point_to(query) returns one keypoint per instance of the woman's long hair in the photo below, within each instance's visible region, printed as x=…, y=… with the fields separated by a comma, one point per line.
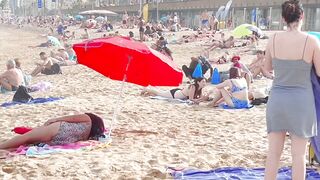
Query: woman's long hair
x=198, y=91
x=234, y=73
x=97, y=127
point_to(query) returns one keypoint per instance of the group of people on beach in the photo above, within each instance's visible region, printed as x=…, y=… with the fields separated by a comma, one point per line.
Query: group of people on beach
x=291, y=90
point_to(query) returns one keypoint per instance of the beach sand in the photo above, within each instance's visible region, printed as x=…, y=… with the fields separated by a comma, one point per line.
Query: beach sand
x=150, y=135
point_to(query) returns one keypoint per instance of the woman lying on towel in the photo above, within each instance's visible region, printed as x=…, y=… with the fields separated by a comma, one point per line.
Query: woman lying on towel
x=234, y=91
x=59, y=131
x=192, y=92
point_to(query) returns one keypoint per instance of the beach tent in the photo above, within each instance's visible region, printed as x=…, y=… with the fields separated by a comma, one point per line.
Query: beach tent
x=246, y=30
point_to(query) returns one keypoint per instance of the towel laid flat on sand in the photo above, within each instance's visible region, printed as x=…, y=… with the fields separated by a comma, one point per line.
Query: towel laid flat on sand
x=171, y=100
x=45, y=149
x=34, y=101
x=236, y=173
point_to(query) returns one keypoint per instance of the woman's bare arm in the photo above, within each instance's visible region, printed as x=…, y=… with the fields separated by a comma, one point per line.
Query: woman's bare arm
x=192, y=91
x=226, y=83
x=72, y=119
x=268, y=57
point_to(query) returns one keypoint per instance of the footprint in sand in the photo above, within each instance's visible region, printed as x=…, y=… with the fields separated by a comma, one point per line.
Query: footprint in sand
x=155, y=174
x=8, y=169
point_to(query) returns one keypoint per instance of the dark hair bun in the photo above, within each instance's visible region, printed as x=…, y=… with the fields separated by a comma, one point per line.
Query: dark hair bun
x=292, y=11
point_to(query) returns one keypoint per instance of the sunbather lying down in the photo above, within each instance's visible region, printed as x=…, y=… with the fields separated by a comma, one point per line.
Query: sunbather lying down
x=192, y=92
x=59, y=131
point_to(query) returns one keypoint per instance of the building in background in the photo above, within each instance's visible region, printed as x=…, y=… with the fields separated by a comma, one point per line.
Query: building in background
x=265, y=14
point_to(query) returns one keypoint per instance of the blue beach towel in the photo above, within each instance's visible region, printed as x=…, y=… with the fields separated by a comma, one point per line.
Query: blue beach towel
x=236, y=173
x=34, y=101
x=225, y=106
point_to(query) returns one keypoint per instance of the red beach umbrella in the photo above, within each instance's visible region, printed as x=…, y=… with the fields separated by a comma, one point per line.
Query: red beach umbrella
x=119, y=57
x=126, y=60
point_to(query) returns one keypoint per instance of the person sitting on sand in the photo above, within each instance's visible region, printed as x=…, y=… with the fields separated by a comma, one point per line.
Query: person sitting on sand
x=131, y=35
x=192, y=92
x=161, y=46
x=71, y=53
x=12, y=78
x=60, y=131
x=257, y=66
x=85, y=35
x=234, y=91
x=244, y=70
x=61, y=55
x=205, y=66
x=45, y=66
x=26, y=77
x=160, y=43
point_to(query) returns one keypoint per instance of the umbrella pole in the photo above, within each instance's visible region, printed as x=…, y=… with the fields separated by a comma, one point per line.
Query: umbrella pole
x=117, y=107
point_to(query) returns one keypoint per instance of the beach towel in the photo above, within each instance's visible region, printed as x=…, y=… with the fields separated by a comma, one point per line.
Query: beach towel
x=45, y=149
x=315, y=141
x=41, y=86
x=34, y=101
x=225, y=106
x=236, y=173
x=172, y=100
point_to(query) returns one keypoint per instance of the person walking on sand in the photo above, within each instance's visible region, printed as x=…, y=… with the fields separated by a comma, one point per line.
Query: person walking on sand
x=292, y=91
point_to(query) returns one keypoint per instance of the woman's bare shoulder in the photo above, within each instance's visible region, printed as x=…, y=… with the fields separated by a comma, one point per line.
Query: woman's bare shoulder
x=314, y=40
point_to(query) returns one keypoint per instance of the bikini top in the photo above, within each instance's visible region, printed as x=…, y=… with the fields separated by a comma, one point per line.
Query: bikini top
x=235, y=88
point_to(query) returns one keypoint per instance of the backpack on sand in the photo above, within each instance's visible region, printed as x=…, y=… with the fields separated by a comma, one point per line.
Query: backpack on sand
x=22, y=95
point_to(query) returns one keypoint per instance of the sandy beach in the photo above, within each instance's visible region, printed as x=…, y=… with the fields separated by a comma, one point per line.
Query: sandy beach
x=150, y=135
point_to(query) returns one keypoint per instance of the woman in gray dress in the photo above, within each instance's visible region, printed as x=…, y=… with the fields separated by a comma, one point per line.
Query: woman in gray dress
x=291, y=107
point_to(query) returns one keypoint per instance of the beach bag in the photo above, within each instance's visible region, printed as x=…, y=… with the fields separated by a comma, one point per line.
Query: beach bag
x=215, y=77
x=197, y=73
x=22, y=95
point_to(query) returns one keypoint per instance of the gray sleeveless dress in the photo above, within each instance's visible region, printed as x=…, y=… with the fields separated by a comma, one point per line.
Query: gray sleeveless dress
x=291, y=105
